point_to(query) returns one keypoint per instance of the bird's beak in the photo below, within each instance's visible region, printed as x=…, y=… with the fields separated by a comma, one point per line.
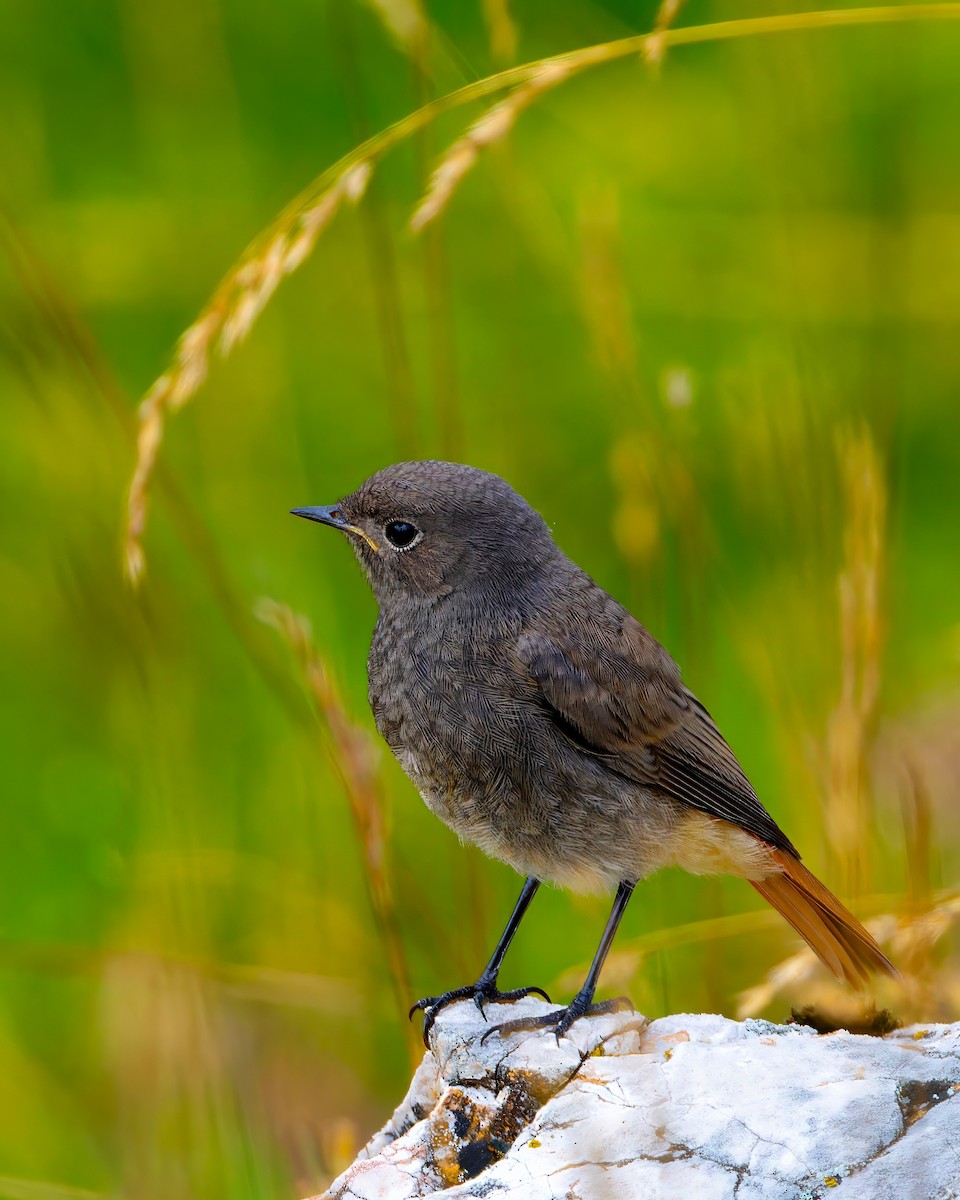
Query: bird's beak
x=329, y=514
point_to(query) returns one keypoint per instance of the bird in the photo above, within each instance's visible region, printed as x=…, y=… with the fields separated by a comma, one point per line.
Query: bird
x=540, y=721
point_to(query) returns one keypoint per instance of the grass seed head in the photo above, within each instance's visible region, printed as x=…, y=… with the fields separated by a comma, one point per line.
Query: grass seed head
x=490, y=127
x=238, y=302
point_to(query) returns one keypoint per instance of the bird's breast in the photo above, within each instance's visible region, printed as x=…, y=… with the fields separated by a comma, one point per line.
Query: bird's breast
x=470, y=728
x=454, y=709
x=441, y=692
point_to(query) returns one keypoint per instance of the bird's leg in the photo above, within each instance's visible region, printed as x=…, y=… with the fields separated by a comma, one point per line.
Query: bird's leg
x=485, y=990
x=561, y=1019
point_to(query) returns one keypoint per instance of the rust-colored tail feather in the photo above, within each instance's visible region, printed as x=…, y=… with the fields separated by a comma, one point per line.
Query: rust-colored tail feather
x=832, y=933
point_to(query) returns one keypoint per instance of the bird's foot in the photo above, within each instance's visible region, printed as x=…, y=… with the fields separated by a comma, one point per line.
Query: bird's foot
x=560, y=1019
x=483, y=992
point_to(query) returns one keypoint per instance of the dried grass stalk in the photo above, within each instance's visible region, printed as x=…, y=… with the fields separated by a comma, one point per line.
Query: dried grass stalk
x=501, y=29
x=405, y=20
x=356, y=757
x=804, y=968
x=910, y=936
x=862, y=631
x=624, y=963
x=235, y=306
x=667, y=13
x=604, y=292
x=494, y=125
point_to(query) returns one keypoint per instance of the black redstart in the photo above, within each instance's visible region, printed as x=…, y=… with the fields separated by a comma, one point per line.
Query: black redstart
x=541, y=721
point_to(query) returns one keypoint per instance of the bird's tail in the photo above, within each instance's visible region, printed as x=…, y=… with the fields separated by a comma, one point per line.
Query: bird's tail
x=832, y=933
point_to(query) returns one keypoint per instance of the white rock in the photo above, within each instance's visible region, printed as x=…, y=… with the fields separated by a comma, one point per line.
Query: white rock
x=684, y=1108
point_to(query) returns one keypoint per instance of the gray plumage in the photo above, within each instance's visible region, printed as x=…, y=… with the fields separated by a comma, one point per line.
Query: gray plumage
x=535, y=715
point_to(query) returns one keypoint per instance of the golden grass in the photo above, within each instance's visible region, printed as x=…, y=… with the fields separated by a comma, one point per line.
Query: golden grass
x=236, y=304
x=287, y=242
x=501, y=30
x=14, y=1188
x=667, y=13
x=604, y=288
x=356, y=757
x=910, y=937
x=848, y=806
x=405, y=20
x=495, y=124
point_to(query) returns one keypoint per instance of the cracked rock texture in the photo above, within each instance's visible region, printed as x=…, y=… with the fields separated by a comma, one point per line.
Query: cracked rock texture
x=684, y=1107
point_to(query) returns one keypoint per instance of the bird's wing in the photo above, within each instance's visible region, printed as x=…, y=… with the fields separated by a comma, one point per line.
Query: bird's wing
x=617, y=693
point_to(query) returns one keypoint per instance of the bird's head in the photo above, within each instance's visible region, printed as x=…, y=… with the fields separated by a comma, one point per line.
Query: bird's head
x=427, y=529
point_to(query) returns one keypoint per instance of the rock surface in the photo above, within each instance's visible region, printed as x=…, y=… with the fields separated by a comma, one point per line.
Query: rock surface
x=682, y=1107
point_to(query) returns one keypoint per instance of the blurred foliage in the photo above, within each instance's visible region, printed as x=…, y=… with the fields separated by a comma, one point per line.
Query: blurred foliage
x=702, y=313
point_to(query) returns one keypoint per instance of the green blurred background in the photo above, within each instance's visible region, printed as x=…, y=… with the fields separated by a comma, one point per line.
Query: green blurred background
x=703, y=315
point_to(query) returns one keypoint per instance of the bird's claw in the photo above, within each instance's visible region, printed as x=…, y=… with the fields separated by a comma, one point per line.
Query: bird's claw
x=482, y=992
x=559, y=1020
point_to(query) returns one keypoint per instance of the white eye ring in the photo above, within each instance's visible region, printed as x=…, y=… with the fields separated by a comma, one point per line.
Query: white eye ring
x=402, y=535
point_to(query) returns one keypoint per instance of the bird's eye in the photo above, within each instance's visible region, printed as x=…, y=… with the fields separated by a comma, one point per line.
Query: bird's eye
x=401, y=534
